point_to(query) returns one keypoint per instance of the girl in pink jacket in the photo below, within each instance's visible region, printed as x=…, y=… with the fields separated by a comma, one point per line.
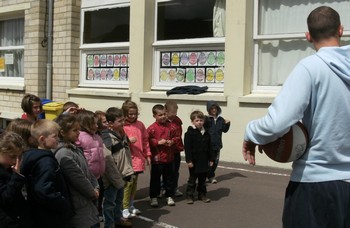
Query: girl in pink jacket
x=91, y=142
x=140, y=154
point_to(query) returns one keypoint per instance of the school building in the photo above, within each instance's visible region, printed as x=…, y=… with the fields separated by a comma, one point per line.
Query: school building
x=98, y=53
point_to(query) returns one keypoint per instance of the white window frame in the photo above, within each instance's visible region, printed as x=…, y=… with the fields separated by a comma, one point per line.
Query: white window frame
x=100, y=48
x=12, y=82
x=197, y=44
x=256, y=38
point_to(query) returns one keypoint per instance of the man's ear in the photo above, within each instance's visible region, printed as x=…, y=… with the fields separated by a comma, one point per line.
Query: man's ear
x=340, y=30
x=308, y=37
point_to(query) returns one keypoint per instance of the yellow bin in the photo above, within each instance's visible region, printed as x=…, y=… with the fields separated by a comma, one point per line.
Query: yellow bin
x=53, y=109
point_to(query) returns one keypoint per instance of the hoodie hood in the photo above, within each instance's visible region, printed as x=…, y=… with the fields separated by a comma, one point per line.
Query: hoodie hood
x=338, y=60
x=211, y=103
x=30, y=158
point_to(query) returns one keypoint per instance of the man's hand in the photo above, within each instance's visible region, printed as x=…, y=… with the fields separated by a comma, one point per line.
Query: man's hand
x=248, y=151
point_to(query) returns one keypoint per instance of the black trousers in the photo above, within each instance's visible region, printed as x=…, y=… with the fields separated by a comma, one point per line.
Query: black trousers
x=317, y=205
x=166, y=171
x=191, y=183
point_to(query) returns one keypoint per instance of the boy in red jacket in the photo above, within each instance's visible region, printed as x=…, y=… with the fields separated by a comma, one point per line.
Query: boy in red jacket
x=162, y=140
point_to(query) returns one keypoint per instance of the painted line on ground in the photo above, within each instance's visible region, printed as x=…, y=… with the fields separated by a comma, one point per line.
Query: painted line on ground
x=161, y=224
x=255, y=171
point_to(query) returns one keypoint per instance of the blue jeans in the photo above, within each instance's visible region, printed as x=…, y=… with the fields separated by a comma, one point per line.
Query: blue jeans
x=112, y=205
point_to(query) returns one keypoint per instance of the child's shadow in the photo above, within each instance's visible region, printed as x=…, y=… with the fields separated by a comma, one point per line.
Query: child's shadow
x=229, y=176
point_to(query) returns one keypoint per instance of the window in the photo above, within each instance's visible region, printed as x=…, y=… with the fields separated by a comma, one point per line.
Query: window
x=279, y=42
x=189, y=45
x=105, y=45
x=11, y=49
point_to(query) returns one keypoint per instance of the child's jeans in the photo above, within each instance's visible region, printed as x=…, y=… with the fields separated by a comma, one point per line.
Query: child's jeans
x=211, y=172
x=191, y=183
x=112, y=205
x=166, y=171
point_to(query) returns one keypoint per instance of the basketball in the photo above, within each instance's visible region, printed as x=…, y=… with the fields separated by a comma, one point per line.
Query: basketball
x=290, y=146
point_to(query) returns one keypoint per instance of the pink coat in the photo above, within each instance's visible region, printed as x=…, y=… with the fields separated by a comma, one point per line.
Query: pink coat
x=93, y=151
x=140, y=149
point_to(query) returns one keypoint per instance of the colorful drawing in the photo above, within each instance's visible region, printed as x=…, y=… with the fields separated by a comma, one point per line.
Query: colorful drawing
x=103, y=60
x=220, y=58
x=96, y=60
x=202, y=58
x=209, y=77
x=193, y=58
x=211, y=58
x=200, y=74
x=116, y=60
x=90, y=60
x=180, y=74
x=190, y=73
x=219, y=75
x=175, y=59
x=184, y=59
x=97, y=74
x=163, y=76
x=116, y=74
x=124, y=59
x=109, y=60
x=103, y=74
x=91, y=74
x=123, y=74
x=110, y=74
x=165, y=59
x=172, y=74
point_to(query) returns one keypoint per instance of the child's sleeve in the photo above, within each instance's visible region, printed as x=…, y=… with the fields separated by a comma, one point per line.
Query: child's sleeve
x=188, y=148
x=225, y=126
x=11, y=191
x=145, y=143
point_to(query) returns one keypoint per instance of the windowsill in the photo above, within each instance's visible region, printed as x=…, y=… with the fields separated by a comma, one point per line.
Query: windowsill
x=100, y=92
x=258, y=98
x=12, y=86
x=199, y=97
x=10, y=115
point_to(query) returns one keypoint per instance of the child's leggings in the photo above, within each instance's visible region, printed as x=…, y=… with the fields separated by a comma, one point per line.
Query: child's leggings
x=130, y=191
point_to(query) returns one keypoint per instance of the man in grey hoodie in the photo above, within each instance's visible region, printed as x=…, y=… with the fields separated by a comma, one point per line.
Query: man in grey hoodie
x=318, y=92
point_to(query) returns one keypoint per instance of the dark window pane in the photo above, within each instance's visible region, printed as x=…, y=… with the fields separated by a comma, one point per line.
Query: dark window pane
x=184, y=19
x=107, y=25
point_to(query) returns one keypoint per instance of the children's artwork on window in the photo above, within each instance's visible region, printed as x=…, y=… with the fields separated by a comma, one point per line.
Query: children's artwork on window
x=107, y=67
x=192, y=66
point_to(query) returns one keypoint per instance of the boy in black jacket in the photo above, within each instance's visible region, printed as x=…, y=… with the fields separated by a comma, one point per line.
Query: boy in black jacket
x=199, y=154
x=47, y=193
x=216, y=125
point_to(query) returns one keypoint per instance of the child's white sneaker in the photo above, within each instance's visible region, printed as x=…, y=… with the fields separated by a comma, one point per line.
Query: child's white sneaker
x=154, y=202
x=134, y=211
x=170, y=201
x=126, y=214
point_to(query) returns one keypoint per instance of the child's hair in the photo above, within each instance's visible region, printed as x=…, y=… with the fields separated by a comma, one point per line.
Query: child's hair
x=27, y=103
x=113, y=113
x=11, y=142
x=69, y=104
x=128, y=104
x=156, y=108
x=99, y=115
x=197, y=114
x=21, y=127
x=66, y=123
x=170, y=104
x=86, y=120
x=43, y=127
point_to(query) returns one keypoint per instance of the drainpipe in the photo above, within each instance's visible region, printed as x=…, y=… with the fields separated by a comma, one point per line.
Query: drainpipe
x=49, y=52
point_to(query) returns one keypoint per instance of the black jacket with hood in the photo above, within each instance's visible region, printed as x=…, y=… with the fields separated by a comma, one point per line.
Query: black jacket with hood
x=216, y=126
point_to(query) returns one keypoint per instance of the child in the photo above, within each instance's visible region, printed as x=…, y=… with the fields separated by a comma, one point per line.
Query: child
x=22, y=127
x=47, y=193
x=171, y=111
x=198, y=154
x=118, y=167
x=140, y=153
x=216, y=125
x=81, y=183
x=90, y=142
x=70, y=107
x=14, y=208
x=163, y=138
x=32, y=107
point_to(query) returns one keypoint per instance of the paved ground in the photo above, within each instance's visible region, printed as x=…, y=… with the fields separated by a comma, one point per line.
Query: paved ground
x=244, y=196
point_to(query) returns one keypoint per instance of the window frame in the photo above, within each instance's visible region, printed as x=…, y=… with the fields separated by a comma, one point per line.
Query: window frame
x=193, y=44
x=18, y=81
x=100, y=48
x=255, y=88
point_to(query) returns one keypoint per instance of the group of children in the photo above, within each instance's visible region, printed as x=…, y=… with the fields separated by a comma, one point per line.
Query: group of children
x=68, y=171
